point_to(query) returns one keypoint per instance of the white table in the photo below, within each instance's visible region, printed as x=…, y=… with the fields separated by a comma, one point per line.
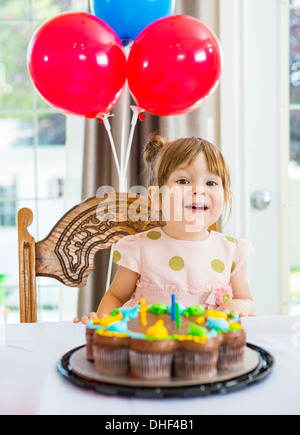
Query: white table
x=31, y=384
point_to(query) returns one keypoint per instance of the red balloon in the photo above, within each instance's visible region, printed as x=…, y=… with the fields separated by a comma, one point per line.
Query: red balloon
x=174, y=65
x=77, y=63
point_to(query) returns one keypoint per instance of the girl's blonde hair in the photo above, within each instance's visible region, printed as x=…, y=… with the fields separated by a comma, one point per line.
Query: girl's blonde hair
x=163, y=158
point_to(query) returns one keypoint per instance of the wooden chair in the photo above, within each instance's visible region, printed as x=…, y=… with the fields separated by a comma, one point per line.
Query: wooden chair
x=67, y=253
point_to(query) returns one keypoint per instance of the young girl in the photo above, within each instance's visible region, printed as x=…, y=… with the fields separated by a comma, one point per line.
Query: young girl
x=183, y=257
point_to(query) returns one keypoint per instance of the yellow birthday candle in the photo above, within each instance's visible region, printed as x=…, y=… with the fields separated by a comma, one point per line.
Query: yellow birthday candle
x=143, y=312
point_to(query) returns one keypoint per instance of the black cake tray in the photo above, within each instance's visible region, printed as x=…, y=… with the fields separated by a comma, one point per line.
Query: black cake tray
x=129, y=388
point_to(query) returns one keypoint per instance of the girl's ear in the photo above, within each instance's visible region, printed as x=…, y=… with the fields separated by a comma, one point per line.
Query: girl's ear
x=153, y=195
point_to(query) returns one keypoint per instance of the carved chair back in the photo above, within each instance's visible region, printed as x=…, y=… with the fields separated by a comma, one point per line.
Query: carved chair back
x=67, y=253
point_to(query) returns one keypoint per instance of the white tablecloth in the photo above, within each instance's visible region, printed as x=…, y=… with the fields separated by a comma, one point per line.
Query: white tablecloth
x=31, y=384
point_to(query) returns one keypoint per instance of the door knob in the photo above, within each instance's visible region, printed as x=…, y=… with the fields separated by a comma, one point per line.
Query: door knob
x=260, y=199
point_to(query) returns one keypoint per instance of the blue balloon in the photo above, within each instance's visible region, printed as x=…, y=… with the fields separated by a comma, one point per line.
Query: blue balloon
x=129, y=17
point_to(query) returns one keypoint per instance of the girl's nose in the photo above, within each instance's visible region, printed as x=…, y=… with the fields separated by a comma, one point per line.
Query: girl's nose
x=199, y=191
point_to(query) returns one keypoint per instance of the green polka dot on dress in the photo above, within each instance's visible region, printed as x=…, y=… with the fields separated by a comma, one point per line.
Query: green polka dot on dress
x=230, y=239
x=176, y=263
x=154, y=235
x=218, y=266
x=232, y=267
x=116, y=257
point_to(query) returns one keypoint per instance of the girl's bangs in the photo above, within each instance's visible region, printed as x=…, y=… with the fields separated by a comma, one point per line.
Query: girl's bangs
x=215, y=161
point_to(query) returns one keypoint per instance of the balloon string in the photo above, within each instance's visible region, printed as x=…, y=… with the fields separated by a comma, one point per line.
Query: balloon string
x=121, y=171
x=109, y=271
x=124, y=119
x=136, y=112
x=123, y=167
x=112, y=143
x=123, y=135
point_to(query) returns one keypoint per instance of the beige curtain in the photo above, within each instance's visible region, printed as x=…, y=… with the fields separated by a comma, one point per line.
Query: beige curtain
x=99, y=167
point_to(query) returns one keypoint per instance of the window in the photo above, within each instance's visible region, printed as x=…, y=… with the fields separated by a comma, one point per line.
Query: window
x=33, y=150
x=294, y=166
x=295, y=82
x=8, y=209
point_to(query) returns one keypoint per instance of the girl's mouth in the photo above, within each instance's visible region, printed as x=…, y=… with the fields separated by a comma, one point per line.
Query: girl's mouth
x=196, y=207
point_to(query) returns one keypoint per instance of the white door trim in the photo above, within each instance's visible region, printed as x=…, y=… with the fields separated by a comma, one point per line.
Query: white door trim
x=233, y=34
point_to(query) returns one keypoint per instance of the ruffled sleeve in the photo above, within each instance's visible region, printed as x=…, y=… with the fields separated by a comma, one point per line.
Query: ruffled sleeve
x=244, y=248
x=127, y=253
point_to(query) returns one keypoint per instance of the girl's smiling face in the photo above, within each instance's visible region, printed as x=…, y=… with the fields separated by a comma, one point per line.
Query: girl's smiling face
x=193, y=201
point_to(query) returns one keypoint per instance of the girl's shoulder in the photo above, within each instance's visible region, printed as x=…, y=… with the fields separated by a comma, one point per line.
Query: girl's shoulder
x=226, y=238
x=152, y=234
x=230, y=241
x=129, y=250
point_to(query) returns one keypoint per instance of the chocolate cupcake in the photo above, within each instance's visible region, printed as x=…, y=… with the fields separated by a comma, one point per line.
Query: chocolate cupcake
x=233, y=341
x=232, y=349
x=110, y=351
x=91, y=328
x=196, y=356
x=151, y=358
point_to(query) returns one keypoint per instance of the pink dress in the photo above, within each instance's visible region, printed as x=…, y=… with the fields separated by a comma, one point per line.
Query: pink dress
x=198, y=272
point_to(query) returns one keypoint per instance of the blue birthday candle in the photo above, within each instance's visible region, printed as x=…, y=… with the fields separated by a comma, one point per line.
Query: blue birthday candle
x=173, y=307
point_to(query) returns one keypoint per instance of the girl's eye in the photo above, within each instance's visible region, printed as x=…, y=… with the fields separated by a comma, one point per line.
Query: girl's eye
x=211, y=183
x=183, y=181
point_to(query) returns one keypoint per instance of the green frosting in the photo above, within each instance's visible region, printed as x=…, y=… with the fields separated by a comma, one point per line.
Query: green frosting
x=194, y=310
x=194, y=329
x=234, y=328
x=158, y=308
x=170, y=337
